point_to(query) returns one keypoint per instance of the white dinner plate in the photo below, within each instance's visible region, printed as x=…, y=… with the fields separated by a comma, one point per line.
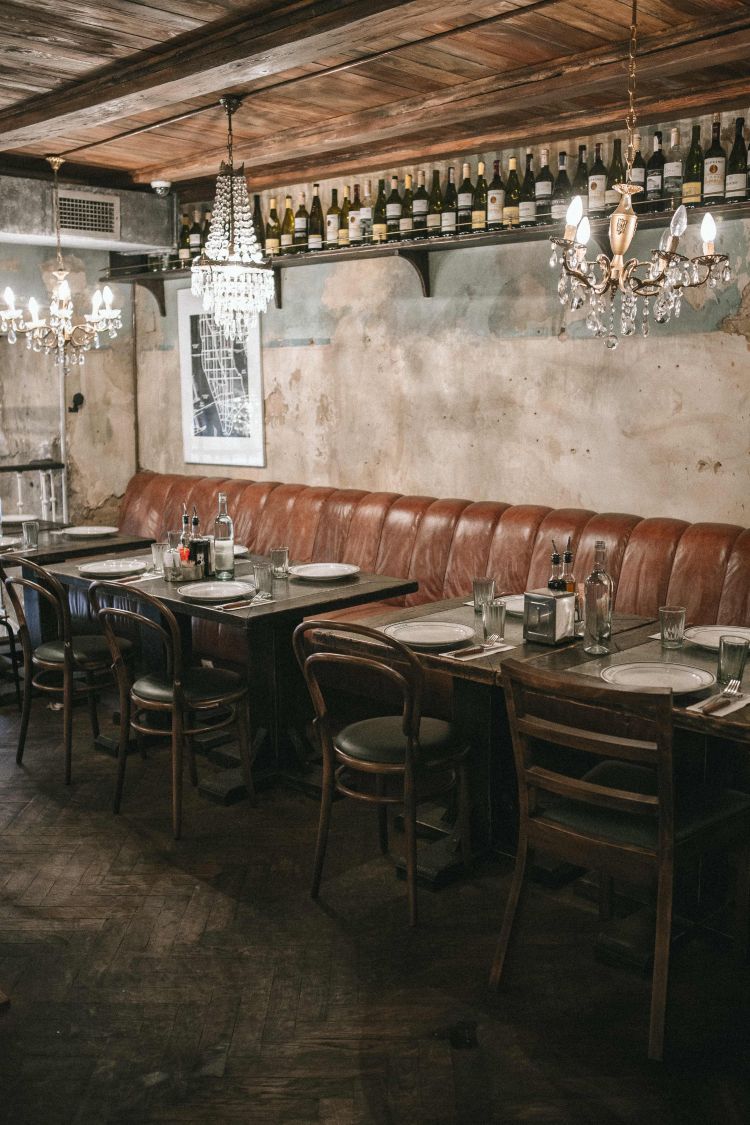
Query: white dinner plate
x=113, y=568
x=323, y=572
x=429, y=634
x=215, y=591
x=240, y=551
x=514, y=605
x=708, y=636
x=8, y=541
x=17, y=517
x=91, y=532
x=679, y=677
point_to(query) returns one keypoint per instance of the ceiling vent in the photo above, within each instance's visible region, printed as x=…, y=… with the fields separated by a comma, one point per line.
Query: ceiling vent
x=83, y=212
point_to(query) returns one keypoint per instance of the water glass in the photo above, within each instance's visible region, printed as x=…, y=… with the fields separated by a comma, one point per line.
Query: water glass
x=157, y=556
x=484, y=591
x=263, y=577
x=732, y=657
x=280, y=562
x=30, y=530
x=672, y=625
x=493, y=619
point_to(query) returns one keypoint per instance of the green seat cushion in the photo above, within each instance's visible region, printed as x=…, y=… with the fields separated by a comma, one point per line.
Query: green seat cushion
x=87, y=649
x=200, y=685
x=626, y=828
x=382, y=740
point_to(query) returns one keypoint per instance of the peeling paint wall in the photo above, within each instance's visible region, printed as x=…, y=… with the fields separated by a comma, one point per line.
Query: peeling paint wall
x=489, y=389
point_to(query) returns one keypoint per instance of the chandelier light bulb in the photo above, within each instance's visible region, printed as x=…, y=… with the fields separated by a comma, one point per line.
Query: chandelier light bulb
x=10, y=300
x=63, y=291
x=708, y=233
x=108, y=297
x=33, y=309
x=583, y=234
x=573, y=217
x=96, y=302
x=679, y=223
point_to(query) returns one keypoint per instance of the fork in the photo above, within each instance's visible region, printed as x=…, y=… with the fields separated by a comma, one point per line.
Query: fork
x=727, y=695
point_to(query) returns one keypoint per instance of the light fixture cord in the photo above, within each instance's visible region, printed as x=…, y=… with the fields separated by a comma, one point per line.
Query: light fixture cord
x=56, y=162
x=230, y=146
x=631, y=119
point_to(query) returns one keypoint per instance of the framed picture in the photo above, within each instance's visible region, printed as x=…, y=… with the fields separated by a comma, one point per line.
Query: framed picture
x=222, y=390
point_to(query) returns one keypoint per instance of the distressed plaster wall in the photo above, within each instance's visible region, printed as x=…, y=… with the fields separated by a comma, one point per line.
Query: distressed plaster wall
x=489, y=389
x=101, y=437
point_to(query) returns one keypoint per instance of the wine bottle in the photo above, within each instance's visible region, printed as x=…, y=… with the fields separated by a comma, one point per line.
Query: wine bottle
x=343, y=239
x=714, y=167
x=527, y=198
x=420, y=207
x=195, y=234
x=406, y=222
x=673, y=172
x=333, y=219
x=581, y=179
x=379, y=215
x=257, y=221
x=597, y=185
x=450, y=205
x=655, y=176
x=598, y=598
x=495, y=199
x=465, y=200
x=638, y=175
x=692, y=183
x=207, y=228
x=365, y=214
x=301, y=222
x=316, y=225
x=615, y=175
x=287, y=228
x=435, y=209
x=543, y=189
x=183, y=244
x=561, y=193
x=511, y=217
x=355, y=220
x=273, y=230
x=393, y=212
x=736, y=186
x=479, y=201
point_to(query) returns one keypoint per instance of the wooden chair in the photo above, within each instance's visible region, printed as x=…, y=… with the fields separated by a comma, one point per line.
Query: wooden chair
x=182, y=693
x=620, y=817
x=70, y=665
x=408, y=757
x=12, y=662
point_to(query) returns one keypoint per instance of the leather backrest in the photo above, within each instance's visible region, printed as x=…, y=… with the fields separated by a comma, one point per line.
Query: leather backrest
x=470, y=547
x=432, y=546
x=334, y=525
x=558, y=525
x=366, y=529
x=272, y=526
x=303, y=523
x=699, y=568
x=615, y=530
x=245, y=503
x=734, y=607
x=512, y=545
x=647, y=565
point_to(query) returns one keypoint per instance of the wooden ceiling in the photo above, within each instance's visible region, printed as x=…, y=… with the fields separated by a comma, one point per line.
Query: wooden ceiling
x=353, y=85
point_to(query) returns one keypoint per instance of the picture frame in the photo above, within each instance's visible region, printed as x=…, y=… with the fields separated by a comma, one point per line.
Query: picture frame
x=221, y=386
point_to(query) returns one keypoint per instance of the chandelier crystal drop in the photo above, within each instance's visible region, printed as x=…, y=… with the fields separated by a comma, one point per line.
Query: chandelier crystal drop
x=57, y=334
x=624, y=295
x=230, y=275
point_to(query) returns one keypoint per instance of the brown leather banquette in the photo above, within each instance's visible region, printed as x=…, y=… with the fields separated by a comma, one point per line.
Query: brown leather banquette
x=443, y=544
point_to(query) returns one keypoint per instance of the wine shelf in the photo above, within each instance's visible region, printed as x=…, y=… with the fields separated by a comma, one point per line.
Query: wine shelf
x=417, y=251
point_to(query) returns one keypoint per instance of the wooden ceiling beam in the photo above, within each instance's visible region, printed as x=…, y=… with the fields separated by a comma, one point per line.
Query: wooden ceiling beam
x=661, y=55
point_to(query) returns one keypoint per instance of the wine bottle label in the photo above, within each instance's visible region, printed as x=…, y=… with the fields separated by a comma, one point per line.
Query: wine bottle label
x=527, y=211
x=405, y=224
x=300, y=226
x=184, y=254
x=365, y=213
x=511, y=216
x=332, y=228
x=673, y=170
x=343, y=239
x=611, y=197
x=355, y=226
x=195, y=244
x=560, y=210
x=495, y=204
x=691, y=191
x=714, y=169
x=393, y=210
x=478, y=220
x=420, y=206
x=379, y=232
x=465, y=200
x=597, y=193
x=286, y=240
x=654, y=183
x=448, y=222
x=315, y=242
x=736, y=185
x=272, y=246
x=543, y=189
x=638, y=176
x=433, y=220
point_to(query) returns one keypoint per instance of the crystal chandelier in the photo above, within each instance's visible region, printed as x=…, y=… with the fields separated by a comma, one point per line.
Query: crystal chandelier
x=57, y=334
x=229, y=274
x=661, y=279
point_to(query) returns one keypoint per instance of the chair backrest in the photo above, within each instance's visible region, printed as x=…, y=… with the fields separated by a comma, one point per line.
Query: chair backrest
x=547, y=711
x=18, y=575
x=112, y=603
x=323, y=650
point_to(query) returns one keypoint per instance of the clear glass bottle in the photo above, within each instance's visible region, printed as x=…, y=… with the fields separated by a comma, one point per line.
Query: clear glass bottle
x=598, y=597
x=223, y=542
x=673, y=172
x=568, y=577
x=555, y=579
x=365, y=214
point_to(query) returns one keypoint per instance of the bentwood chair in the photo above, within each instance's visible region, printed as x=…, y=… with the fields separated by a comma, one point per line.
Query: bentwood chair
x=70, y=666
x=11, y=662
x=623, y=817
x=393, y=759
x=196, y=700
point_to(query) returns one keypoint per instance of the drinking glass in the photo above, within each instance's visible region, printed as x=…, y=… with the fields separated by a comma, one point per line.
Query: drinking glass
x=493, y=619
x=732, y=657
x=280, y=562
x=672, y=625
x=484, y=591
x=263, y=577
x=157, y=556
x=30, y=530
x=172, y=562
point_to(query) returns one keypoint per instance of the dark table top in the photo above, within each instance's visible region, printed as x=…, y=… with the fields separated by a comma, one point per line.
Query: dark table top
x=55, y=546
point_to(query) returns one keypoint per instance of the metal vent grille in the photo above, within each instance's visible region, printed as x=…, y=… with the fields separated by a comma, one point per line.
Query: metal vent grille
x=95, y=215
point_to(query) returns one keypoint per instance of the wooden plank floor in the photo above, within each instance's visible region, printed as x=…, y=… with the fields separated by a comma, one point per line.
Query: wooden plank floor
x=197, y=983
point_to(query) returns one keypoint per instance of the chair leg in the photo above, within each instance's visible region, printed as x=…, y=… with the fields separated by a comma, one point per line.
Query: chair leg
x=464, y=815
x=662, y=946
x=742, y=904
x=410, y=841
x=122, y=749
x=190, y=744
x=382, y=816
x=511, y=908
x=68, y=723
x=177, y=749
x=93, y=713
x=26, y=710
x=14, y=666
x=326, y=803
x=605, y=897
x=243, y=738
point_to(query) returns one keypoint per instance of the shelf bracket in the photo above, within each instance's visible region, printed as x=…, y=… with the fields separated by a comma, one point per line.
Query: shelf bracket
x=420, y=259
x=277, y=289
x=155, y=286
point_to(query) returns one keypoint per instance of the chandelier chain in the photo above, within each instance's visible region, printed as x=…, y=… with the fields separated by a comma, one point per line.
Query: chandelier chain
x=56, y=163
x=631, y=119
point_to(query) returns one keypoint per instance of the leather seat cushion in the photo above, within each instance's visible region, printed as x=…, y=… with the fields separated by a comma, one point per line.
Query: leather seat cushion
x=200, y=685
x=382, y=740
x=626, y=828
x=87, y=649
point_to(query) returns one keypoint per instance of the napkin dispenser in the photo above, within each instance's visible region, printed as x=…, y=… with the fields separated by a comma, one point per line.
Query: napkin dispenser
x=549, y=616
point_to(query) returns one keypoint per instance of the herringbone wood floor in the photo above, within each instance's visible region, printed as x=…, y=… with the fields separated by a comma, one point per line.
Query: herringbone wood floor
x=197, y=983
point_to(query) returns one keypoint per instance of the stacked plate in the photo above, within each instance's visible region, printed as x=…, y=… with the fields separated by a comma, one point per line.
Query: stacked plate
x=649, y=674
x=708, y=636
x=113, y=568
x=89, y=531
x=323, y=572
x=215, y=591
x=430, y=634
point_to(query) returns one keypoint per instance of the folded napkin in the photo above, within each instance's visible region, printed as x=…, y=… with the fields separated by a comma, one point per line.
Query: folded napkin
x=733, y=704
x=477, y=655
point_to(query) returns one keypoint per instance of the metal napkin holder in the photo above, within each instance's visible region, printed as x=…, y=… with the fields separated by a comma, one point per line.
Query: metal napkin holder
x=549, y=616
